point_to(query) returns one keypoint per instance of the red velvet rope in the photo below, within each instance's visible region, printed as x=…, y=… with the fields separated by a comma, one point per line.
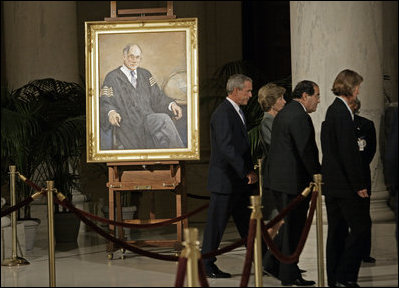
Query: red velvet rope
x=224, y=249
x=250, y=253
x=130, y=225
x=66, y=204
x=285, y=259
x=23, y=203
x=31, y=184
x=142, y=226
x=285, y=211
x=201, y=274
x=19, y=205
x=294, y=257
x=121, y=243
x=132, y=248
x=181, y=272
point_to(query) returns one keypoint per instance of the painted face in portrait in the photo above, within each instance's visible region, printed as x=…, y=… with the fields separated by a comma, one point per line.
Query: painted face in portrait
x=132, y=58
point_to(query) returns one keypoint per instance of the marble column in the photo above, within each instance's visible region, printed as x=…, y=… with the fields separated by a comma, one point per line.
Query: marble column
x=390, y=43
x=328, y=37
x=40, y=40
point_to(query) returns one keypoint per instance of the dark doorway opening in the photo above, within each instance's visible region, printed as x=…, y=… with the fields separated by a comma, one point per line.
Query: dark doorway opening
x=266, y=37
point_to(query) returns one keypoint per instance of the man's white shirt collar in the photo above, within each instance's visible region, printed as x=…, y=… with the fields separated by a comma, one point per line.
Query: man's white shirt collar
x=237, y=108
x=301, y=105
x=127, y=71
x=347, y=106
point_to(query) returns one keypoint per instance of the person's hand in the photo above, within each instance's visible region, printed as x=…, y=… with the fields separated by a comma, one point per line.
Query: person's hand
x=177, y=111
x=114, y=118
x=252, y=177
x=363, y=193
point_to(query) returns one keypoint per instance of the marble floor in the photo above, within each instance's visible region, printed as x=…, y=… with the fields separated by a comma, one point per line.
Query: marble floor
x=87, y=264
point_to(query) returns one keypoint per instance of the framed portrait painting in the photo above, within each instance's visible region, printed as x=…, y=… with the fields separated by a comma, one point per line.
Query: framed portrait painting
x=142, y=90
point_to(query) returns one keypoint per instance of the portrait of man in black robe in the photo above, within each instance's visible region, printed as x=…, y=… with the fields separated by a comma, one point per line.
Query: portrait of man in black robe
x=134, y=112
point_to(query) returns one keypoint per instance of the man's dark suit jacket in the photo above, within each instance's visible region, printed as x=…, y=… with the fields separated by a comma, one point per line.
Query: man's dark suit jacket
x=293, y=157
x=341, y=164
x=365, y=130
x=230, y=160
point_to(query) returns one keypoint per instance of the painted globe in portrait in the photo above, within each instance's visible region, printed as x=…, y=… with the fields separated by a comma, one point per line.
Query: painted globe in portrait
x=176, y=87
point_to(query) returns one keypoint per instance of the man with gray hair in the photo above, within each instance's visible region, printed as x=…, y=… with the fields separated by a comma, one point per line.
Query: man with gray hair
x=230, y=170
x=134, y=112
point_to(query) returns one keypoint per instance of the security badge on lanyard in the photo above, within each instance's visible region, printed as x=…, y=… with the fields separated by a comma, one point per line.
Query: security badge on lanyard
x=361, y=142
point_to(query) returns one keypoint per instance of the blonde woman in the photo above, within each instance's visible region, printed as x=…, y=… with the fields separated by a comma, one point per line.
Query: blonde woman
x=271, y=100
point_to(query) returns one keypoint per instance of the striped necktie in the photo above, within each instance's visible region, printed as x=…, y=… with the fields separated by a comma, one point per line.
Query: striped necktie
x=134, y=78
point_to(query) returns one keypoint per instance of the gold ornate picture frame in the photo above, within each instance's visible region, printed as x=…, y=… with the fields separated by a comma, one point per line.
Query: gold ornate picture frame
x=144, y=130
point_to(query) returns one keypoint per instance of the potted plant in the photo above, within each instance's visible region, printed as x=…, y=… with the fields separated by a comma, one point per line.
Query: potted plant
x=43, y=134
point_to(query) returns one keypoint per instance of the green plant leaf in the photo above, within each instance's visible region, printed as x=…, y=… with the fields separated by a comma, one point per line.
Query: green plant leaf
x=43, y=133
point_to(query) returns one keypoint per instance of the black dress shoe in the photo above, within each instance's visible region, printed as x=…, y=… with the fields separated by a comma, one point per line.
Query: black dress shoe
x=213, y=271
x=298, y=282
x=346, y=284
x=368, y=259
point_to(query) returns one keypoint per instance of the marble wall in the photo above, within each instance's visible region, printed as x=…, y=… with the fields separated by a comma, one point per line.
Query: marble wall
x=40, y=41
x=328, y=38
x=390, y=48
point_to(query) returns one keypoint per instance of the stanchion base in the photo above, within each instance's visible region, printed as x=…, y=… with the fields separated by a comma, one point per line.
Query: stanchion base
x=15, y=261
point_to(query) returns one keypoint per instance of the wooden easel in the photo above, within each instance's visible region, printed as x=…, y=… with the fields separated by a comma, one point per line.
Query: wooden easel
x=141, y=14
x=145, y=176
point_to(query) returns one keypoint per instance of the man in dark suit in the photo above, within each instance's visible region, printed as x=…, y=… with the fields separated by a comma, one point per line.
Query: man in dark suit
x=344, y=185
x=230, y=170
x=367, y=142
x=293, y=160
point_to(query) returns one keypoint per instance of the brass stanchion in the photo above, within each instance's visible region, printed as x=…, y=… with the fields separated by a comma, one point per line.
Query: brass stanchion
x=260, y=179
x=51, y=246
x=317, y=178
x=14, y=260
x=257, y=214
x=192, y=252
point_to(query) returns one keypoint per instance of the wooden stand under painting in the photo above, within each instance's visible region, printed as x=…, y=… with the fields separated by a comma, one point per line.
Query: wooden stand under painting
x=149, y=177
